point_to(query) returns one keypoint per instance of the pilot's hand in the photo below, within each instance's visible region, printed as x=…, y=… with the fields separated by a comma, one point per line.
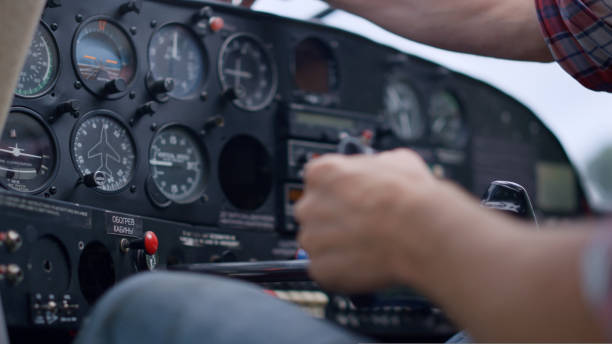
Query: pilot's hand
x=363, y=218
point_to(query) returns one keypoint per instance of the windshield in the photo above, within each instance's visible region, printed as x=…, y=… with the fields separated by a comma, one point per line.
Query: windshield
x=582, y=119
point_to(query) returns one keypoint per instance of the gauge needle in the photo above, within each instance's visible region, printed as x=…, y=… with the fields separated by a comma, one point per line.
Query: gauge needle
x=17, y=152
x=175, y=46
x=161, y=163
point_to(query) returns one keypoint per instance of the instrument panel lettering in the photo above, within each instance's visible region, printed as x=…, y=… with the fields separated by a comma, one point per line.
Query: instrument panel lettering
x=124, y=225
x=29, y=208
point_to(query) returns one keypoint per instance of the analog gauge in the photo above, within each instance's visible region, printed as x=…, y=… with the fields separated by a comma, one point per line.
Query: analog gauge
x=248, y=72
x=176, y=53
x=41, y=66
x=103, y=53
x=316, y=68
x=102, y=143
x=27, y=152
x=447, y=125
x=403, y=111
x=179, y=165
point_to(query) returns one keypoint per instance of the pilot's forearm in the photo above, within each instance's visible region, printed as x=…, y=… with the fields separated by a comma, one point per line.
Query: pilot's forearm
x=505, y=29
x=504, y=282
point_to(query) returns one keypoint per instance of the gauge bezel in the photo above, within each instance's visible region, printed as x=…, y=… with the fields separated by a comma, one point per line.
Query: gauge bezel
x=205, y=157
x=410, y=85
x=270, y=58
x=118, y=118
x=205, y=58
x=464, y=134
x=332, y=47
x=55, y=142
x=59, y=66
x=87, y=83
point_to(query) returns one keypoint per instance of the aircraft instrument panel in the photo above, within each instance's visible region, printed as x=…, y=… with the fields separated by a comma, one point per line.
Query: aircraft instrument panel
x=194, y=119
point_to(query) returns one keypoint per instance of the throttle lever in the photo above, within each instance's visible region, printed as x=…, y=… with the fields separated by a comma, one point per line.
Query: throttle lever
x=511, y=198
x=350, y=145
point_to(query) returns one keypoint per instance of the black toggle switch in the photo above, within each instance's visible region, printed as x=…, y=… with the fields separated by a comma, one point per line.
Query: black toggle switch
x=130, y=6
x=203, y=13
x=115, y=86
x=94, y=180
x=214, y=122
x=148, y=108
x=72, y=106
x=230, y=94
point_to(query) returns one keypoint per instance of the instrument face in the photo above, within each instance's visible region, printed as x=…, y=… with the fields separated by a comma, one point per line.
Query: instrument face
x=101, y=142
x=447, y=125
x=28, y=153
x=246, y=67
x=316, y=67
x=403, y=112
x=103, y=52
x=175, y=52
x=41, y=67
x=179, y=164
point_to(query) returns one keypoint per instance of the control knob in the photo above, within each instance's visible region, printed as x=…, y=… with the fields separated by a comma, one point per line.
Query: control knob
x=159, y=89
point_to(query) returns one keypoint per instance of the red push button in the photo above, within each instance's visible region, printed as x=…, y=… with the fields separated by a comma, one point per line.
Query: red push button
x=151, y=244
x=216, y=24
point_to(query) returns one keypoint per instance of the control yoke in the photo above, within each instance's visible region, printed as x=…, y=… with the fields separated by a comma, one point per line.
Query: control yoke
x=503, y=196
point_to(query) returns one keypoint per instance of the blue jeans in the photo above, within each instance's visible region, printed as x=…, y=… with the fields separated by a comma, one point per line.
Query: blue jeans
x=178, y=308
x=461, y=337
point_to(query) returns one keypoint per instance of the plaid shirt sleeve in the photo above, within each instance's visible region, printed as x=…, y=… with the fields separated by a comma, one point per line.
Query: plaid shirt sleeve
x=579, y=34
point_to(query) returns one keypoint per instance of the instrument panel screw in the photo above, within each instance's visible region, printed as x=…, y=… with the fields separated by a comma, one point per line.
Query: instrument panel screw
x=133, y=188
x=54, y=26
x=132, y=94
x=78, y=18
x=133, y=30
x=153, y=126
x=53, y=190
x=204, y=96
x=77, y=85
x=153, y=23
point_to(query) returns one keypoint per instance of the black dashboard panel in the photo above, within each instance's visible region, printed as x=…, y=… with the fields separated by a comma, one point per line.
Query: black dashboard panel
x=207, y=150
x=358, y=72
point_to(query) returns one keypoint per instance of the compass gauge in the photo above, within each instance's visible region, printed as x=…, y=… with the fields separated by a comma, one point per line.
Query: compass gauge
x=102, y=143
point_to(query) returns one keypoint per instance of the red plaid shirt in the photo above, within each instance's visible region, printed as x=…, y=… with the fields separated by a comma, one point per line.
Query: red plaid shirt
x=579, y=34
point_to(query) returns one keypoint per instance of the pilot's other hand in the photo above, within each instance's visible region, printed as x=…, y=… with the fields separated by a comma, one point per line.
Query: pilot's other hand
x=364, y=219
